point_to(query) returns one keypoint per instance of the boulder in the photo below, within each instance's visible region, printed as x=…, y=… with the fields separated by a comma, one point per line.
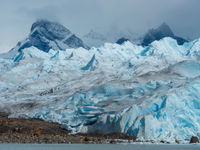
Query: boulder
x=194, y=139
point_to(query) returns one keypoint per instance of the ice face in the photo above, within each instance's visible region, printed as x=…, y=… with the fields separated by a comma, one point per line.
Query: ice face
x=149, y=92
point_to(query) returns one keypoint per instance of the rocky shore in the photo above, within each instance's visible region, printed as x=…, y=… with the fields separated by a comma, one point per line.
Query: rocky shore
x=37, y=131
x=19, y=130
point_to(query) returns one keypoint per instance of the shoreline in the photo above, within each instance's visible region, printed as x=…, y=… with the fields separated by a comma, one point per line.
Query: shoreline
x=35, y=131
x=23, y=131
x=99, y=146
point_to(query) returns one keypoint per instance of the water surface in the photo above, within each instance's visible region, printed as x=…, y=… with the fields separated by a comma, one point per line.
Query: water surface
x=98, y=147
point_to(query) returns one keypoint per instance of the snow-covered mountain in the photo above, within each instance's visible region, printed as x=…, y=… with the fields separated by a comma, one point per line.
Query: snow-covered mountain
x=114, y=34
x=150, y=92
x=99, y=38
x=46, y=35
x=94, y=38
x=162, y=31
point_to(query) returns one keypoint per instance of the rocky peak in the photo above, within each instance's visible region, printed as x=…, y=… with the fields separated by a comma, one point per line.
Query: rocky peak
x=165, y=30
x=46, y=35
x=122, y=40
x=162, y=31
x=51, y=30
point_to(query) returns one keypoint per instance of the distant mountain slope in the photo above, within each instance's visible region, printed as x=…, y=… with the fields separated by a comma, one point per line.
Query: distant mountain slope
x=94, y=38
x=97, y=38
x=46, y=35
x=159, y=33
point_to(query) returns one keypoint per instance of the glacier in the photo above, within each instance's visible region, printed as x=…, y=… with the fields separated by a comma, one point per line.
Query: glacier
x=150, y=92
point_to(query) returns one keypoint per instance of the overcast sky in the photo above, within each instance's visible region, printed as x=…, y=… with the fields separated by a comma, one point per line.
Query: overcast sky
x=16, y=16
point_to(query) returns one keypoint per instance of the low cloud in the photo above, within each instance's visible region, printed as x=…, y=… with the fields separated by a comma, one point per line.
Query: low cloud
x=82, y=15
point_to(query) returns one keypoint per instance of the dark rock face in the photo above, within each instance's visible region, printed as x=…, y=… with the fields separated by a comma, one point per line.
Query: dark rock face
x=46, y=35
x=73, y=41
x=194, y=139
x=51, y=30
x=159, y=33
x=180, y=40
x=121, y=41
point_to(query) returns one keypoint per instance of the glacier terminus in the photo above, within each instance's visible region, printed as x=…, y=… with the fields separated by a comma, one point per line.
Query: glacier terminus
x=151, y=92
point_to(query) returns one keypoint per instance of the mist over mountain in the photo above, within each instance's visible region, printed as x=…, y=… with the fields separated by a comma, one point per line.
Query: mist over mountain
x=46, y=35
x=94, y=38
x=82, y=16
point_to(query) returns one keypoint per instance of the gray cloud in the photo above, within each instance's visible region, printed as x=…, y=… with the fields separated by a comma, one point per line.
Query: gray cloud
x=82, y=15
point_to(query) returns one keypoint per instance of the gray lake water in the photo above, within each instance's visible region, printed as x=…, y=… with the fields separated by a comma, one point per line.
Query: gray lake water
x=98, y=147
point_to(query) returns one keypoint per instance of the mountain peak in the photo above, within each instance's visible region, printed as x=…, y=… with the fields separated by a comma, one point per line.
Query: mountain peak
x=164, y=25
x=46, y=35
x=162, y=31
x=50, y=29
x=165, y=29
x=41, y=23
